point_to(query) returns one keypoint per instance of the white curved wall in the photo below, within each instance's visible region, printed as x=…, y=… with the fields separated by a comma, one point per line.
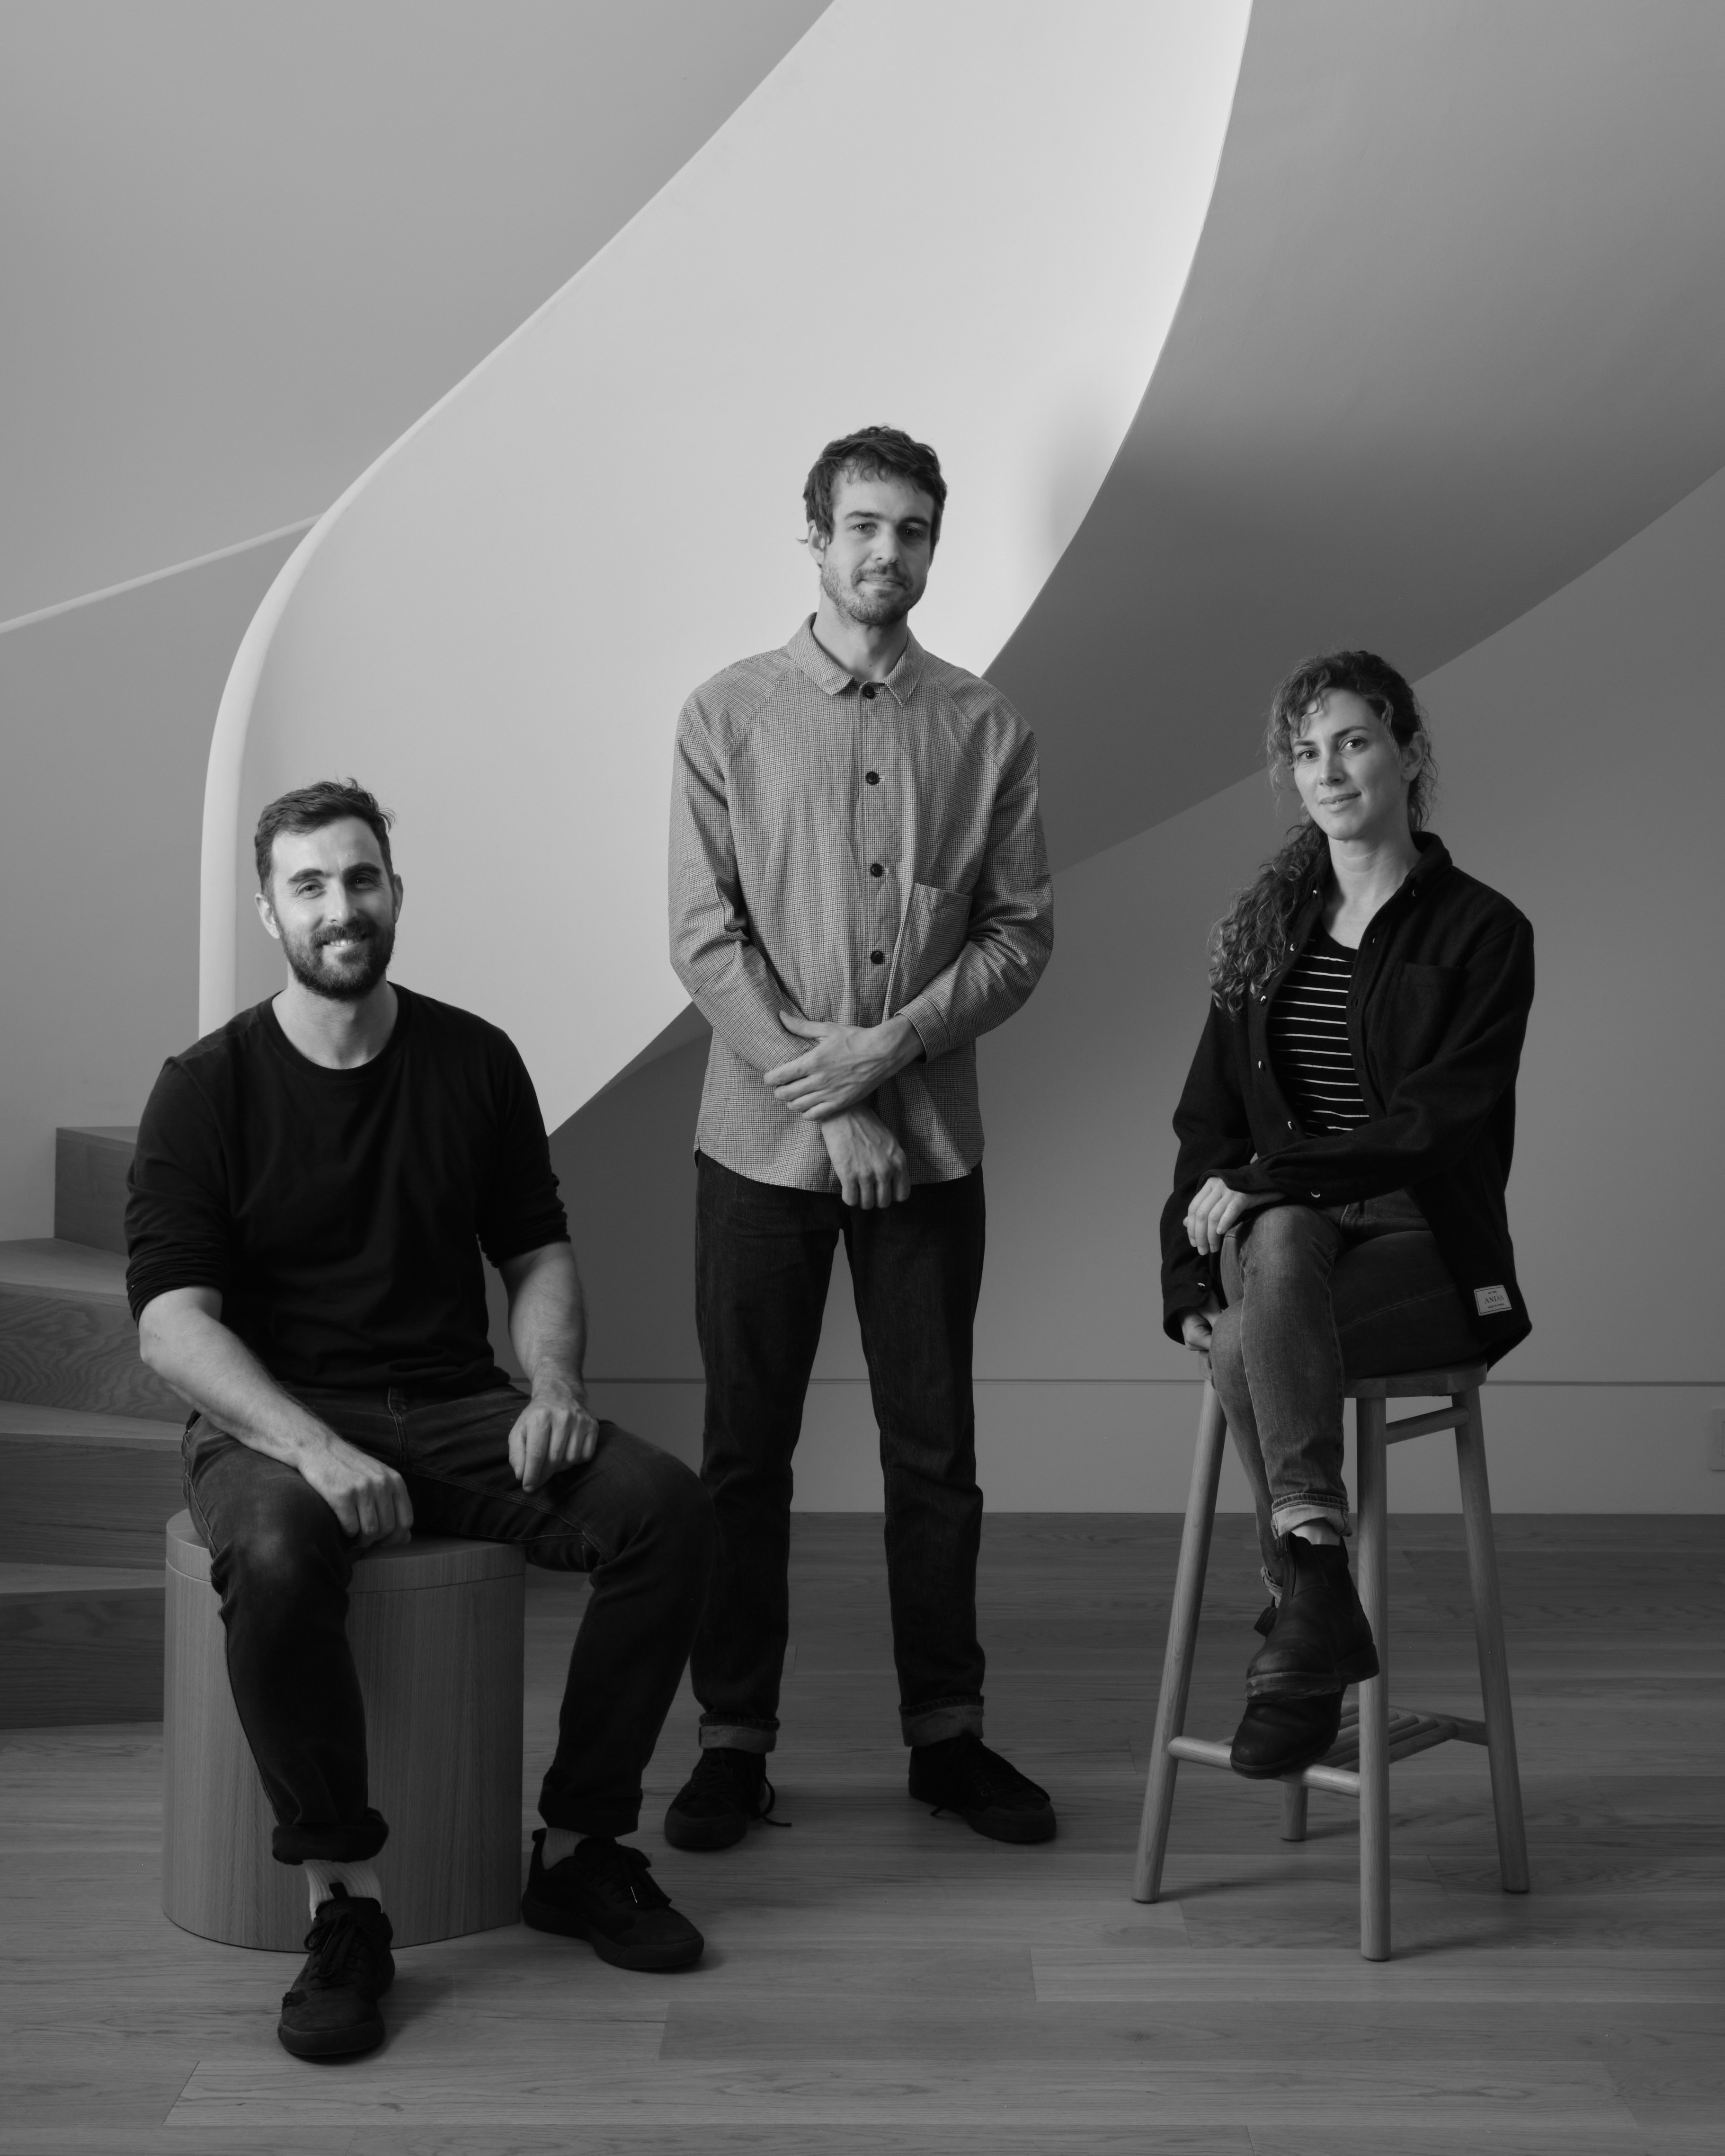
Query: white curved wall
x=1455, y=331
x=188, y=360
x=973, y=221
x=241, y=247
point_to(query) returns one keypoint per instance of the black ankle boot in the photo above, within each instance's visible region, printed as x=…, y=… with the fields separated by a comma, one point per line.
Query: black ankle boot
x=1281, y=1736
x=1320, y=1642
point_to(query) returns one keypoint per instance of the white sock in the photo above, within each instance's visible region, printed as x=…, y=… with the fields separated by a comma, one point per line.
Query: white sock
x=1319, y=1532
x=360, y=1880
x=560, y=1842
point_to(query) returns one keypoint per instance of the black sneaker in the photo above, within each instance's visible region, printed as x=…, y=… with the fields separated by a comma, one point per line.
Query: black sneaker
x=332, y=2012
x=1320, y=1641
x=602, y=1894
x=961, y=1774
x=1281, y=1736
x=724, y=1796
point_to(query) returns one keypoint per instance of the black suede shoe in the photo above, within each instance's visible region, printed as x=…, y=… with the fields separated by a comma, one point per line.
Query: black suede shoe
x=332, y=2012
x=602, y=1894
x=1281, y=1736
x=1320, y=1641
x=961, y=1774
x=727, y=1792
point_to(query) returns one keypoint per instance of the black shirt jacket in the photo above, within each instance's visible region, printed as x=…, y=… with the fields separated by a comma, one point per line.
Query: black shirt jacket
x=1438, y=1009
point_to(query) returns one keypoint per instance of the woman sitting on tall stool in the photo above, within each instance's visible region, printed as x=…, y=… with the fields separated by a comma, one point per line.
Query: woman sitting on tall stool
x=1345, y=1138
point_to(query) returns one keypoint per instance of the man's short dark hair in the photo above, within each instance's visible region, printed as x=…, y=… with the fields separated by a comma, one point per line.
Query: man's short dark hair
x=874, y=453
x=310, y=807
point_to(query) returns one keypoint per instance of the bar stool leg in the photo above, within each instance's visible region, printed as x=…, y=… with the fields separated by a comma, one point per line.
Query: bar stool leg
x=1488, y=1634
x=1181, y=1646
x=1293, y=1810
x=1369, y=1419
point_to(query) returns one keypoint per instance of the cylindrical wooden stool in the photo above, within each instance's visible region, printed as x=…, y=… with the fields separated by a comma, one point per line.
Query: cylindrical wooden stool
x=436, y=1629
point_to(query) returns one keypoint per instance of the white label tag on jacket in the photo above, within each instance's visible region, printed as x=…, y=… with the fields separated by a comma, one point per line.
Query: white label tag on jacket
x=1489, y=1301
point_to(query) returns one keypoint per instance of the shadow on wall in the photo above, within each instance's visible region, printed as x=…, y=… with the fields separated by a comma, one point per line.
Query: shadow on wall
x=625, y=1163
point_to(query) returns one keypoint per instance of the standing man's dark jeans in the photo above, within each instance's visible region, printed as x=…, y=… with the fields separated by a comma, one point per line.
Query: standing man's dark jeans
x=764, y=1258
x=1315, y=1297
x=632, y=1516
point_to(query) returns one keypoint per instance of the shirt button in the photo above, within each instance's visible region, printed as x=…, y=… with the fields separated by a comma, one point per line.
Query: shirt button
x=877, y=957
x=872, y=777
x=868, y=692
x=1290, y=1122
x=1261, y=1063
x=876, y=869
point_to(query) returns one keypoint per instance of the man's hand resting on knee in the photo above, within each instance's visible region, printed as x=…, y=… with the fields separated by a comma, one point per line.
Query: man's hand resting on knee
x=548, y=1328
x=868, y=1160
x=181, y=1337
x=367, y=1495
x=551, y=1433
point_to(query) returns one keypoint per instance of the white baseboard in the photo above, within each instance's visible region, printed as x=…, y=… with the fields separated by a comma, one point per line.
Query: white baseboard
x=1125, y=1446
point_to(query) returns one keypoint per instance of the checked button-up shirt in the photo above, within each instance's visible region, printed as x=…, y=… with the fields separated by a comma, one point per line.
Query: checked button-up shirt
x=853, y=851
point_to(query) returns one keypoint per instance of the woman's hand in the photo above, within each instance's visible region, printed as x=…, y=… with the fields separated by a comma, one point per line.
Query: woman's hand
x=1196, y=1328
x=1216, y=1208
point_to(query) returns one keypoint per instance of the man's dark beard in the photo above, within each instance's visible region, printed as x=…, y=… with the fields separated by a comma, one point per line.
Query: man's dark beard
x=377, y=945
x=879, y=610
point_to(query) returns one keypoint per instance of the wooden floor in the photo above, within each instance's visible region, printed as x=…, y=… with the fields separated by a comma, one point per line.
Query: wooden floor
x=880, y=1980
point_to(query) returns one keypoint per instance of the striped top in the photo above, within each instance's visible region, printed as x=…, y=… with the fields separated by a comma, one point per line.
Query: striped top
x=1308, y=1038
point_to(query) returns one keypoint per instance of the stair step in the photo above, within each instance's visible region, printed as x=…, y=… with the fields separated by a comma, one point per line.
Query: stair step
x=66, y=1335
x=80, y=1643
x=79, y=1488
x=90, y=1164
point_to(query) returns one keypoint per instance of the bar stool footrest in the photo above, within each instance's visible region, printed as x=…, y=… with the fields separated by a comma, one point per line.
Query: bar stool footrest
x=1410, y=1731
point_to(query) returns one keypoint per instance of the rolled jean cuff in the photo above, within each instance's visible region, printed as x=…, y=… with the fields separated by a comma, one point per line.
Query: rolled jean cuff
x=1294, y=1511
x=737, y=1736
x=609, y=1822
x=950, y=1718
x=356, y=1842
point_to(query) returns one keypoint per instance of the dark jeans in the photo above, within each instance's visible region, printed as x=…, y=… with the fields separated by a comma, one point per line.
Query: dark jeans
x=1356, y=1288
x=764, y=1258
x=632, y=1516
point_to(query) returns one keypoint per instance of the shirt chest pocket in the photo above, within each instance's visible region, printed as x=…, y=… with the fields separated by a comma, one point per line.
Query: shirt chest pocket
x=1409, y=1014
x=930, y=938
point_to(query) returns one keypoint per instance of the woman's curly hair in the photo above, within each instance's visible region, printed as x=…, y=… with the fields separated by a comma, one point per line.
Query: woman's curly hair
x=1251, y=940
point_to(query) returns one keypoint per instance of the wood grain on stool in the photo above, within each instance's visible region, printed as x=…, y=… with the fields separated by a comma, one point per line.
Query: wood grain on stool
x=436, y=1629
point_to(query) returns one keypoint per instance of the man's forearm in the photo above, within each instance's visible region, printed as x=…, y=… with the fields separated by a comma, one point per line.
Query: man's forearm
x=547, y=1317
x=213, y=1369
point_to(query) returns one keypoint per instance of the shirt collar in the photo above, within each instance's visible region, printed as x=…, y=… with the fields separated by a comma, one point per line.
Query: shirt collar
x=1433, y=858
x=828, y=675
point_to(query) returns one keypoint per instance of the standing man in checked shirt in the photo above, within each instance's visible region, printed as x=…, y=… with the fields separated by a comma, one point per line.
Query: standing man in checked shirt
x=859, y=887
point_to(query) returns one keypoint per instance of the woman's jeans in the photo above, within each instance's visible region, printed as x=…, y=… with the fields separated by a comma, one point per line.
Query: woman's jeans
x=1359, y=1290
x=764, y=1258
x=632, y=1515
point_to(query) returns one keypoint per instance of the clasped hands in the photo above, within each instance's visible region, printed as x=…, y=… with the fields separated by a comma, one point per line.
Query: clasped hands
x=828, y=1086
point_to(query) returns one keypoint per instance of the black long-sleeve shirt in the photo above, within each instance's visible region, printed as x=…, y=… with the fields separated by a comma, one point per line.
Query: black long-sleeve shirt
x=341, y=1213
x=1437, y=1012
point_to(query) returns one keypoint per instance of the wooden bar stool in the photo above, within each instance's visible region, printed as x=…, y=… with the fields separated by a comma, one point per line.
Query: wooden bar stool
x=436, y=1629
x=1373, y=1736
